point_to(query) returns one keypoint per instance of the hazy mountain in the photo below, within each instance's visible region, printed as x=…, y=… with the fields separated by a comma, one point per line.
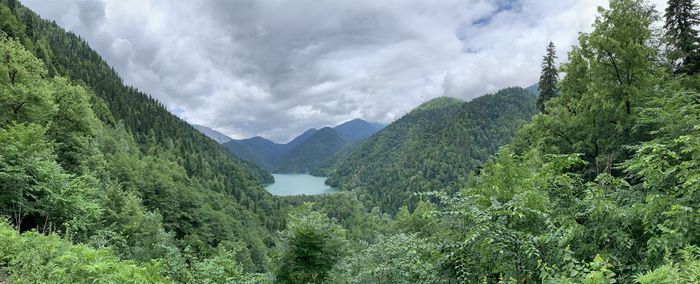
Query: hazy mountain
x=534, y=89
x=213, y=134
x=357, y=129
x=307, y=151
x=301, y=138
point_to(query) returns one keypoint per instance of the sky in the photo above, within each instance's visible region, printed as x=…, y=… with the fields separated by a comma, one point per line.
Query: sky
x=275, y=68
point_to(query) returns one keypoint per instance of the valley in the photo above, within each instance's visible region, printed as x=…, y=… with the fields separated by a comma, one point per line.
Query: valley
x=305, y=153
x=589, y=176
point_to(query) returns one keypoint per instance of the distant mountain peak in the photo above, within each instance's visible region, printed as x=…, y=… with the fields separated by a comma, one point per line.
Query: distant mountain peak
x=213, y=134
x=357, y=129
x=305, y=152
x=534, y=89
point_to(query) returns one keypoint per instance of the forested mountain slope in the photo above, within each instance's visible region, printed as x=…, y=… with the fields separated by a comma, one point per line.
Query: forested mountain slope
x=257, y=150
x=357, y=129
x=122, y=148
x=434, y=147
x=306, y=152
x=599, y=187
x=301, y=138
x=309, y=155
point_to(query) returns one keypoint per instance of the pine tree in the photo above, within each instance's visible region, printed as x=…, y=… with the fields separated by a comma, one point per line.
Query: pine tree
x=681, y=18
x=549, y=78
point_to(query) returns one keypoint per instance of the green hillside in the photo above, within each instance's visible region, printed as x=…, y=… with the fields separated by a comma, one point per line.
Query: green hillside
x=434, y=147
x=100, y=184
x=309, y=155
x=257, y=150
x=98, y=137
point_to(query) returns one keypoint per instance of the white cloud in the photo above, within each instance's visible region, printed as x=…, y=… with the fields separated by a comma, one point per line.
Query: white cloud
x=276, y=68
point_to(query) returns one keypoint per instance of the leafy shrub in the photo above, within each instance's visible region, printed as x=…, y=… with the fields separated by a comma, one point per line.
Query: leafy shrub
x=35, y=258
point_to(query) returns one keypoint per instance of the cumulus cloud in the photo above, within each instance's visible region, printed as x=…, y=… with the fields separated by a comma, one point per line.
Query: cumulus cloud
x=277, y=68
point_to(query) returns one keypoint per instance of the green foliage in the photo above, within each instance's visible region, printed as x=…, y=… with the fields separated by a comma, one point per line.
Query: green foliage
x=397, y=258
x=631, y=199
x=74, y=124
x=104, y=164
x=504, y=225
x=361, y=224
x=220, y=269
x=548, y=79
x=667, y=171
x=687, y=270
x=600, y=188
x=128, y=228
x=422, y=221
x=609, y=76
x=432, y=147
x=312, y=244
x=682, y=18
x=35, y=258
x=35, y=192
x=594, y=272
x=24, y=95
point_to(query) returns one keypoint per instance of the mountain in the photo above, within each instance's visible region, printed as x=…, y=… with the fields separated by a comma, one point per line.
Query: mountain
x=318, y=148
x=301, y=138
x=432, y=147
x=127, y=153
x=307, y=151
x=534, y=89
x=357, y=129
x=213, y=134
x=257, y=150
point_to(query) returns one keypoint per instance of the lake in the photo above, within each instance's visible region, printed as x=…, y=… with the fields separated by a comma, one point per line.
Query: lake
x=298, y=184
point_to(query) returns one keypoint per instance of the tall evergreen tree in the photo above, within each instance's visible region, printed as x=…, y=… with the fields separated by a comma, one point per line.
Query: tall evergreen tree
x=549, y=78
x=681, y=18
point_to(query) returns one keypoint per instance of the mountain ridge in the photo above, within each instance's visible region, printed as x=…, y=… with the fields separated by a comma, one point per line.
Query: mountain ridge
x=431, y=147
x=213, y=134
x=293, y=156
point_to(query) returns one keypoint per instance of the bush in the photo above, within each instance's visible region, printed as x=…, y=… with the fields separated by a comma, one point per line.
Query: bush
x=35, y=258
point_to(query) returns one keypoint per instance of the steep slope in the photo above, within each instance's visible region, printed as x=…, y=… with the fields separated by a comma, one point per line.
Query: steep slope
x=213, y=134
x=138, y=146
x=357, y=129
x=257, y=150
x=328, y=166
x=534, y=89
x=301, y=138
x=432, y=148
x=307, y=151
x=313, y=152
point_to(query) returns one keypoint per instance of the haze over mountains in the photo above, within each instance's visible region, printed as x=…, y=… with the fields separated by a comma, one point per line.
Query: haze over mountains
x=305, y=153
x=213, y=134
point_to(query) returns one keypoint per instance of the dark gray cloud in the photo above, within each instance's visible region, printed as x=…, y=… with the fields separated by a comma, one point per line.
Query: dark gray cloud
x=276, y=68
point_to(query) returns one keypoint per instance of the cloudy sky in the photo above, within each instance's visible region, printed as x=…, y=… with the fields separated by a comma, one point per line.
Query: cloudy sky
x=275, y=68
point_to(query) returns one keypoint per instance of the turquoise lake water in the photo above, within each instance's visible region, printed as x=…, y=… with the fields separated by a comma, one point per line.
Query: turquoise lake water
x=298, y=184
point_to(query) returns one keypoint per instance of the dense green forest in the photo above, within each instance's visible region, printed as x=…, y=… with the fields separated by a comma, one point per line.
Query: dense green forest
x=99, y=183
x=325, y=143
x=100, y=163
x=432, y=148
